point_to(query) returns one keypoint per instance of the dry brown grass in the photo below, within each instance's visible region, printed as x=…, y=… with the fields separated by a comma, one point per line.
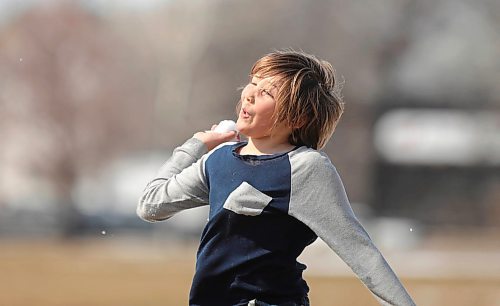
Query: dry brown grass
x=106, y=272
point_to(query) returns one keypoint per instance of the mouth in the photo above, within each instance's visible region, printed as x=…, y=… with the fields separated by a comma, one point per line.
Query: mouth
x=244, y=114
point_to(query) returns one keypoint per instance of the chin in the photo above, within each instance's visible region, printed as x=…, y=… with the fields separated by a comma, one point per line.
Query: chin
x=240, y=127
x=243, y=132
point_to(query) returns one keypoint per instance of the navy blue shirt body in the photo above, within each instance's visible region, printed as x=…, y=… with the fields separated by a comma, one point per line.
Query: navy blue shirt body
x=247, y=255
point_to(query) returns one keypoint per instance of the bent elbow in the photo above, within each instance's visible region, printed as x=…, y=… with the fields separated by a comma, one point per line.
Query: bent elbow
x=144, y=213
x=149, y=212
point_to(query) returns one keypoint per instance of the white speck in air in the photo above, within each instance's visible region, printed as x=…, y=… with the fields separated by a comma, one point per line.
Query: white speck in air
x=411, y=229
x=103, y=232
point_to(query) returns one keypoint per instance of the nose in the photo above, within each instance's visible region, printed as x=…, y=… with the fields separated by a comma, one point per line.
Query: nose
x=250, y=99
x=249, y=95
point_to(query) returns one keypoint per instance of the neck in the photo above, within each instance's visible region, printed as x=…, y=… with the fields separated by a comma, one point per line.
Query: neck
x=265, y=146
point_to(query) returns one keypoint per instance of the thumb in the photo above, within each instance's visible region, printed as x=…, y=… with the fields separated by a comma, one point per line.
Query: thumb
x=229, y=135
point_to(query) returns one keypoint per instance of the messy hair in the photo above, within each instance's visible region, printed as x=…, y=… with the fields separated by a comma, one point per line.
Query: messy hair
x=308, y=99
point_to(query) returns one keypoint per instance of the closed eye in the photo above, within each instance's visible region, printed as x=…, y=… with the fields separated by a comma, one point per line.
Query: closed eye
x=265, y=92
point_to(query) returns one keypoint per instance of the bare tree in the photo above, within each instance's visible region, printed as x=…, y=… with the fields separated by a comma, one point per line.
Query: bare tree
x=79, y=90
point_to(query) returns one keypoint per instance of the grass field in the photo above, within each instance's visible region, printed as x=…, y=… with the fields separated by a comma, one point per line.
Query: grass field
x=133, y=272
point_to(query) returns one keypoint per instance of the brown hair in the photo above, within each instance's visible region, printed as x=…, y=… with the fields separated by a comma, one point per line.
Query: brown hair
x=308, y=98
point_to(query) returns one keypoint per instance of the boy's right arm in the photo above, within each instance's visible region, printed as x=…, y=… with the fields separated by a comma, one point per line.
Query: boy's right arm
x=180, y=183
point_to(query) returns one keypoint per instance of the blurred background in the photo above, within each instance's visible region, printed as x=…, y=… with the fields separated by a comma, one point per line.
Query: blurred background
x=95, y=95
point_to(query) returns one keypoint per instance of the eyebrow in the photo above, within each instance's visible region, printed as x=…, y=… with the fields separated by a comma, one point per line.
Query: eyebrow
x=268, y=83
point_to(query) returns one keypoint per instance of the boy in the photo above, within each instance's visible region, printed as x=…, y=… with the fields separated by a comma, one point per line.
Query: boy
x=270, y=196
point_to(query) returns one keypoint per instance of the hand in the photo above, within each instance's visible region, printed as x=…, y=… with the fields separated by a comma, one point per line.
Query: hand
x=213, y=139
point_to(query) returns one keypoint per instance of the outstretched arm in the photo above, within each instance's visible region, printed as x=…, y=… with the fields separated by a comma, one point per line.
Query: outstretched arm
x=318, y=199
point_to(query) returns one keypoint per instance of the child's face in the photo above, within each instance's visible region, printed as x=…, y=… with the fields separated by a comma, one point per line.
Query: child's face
x=255, y=119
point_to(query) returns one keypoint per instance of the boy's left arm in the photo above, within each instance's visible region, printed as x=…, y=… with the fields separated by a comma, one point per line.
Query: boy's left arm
x=319, y=200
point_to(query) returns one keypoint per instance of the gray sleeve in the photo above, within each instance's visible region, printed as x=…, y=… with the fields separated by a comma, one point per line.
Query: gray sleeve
x=318, y=199
x=180, y=184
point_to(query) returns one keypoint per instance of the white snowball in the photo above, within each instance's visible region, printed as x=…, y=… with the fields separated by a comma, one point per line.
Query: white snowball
x=225, y=126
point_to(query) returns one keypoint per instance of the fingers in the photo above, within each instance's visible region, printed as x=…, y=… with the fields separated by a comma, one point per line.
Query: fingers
x=229, y=135
x=213, y=139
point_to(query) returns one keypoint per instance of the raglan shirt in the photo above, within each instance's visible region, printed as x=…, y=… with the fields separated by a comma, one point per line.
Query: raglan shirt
x=264, y=210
